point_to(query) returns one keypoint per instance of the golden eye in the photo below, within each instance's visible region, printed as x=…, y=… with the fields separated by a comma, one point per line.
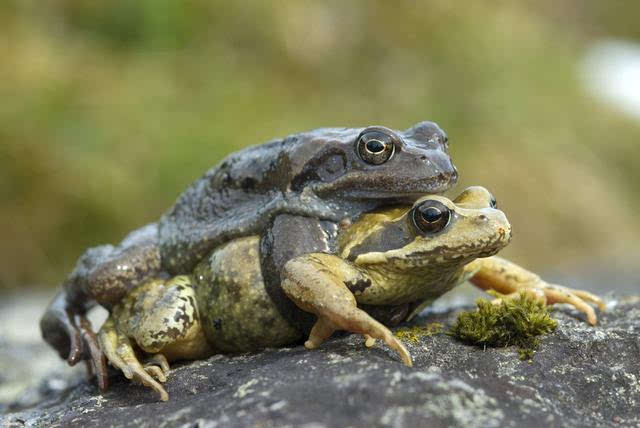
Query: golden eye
x=431, y=216
x=375, y=147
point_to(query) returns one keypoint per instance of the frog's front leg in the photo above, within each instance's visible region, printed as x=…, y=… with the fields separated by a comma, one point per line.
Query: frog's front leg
x=318, y=283
x=161, y=319
x=505, y=277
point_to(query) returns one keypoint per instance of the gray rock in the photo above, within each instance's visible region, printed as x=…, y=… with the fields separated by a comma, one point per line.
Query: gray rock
x=581, y=376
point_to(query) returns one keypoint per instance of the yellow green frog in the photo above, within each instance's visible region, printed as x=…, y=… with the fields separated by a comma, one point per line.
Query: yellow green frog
x=389, y=264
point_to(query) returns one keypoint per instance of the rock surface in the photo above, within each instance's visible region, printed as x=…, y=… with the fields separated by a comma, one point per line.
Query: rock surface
x=581, y=376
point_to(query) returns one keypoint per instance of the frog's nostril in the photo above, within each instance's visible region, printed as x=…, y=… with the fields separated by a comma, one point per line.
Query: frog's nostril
x=483, y=217
x=423, y=157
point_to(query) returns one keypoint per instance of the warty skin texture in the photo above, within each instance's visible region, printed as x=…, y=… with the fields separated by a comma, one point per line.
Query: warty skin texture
x=388, y=265
x=319, y=175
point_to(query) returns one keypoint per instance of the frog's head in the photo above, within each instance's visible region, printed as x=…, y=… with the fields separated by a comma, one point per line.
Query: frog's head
x=435, y=231
x=374, y=163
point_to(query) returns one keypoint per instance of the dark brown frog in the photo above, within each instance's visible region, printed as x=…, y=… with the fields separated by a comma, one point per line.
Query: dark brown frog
x=292, y=192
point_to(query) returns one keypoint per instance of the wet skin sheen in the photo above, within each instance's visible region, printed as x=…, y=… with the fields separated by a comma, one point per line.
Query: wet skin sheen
x=291, y=193
x=387, y=266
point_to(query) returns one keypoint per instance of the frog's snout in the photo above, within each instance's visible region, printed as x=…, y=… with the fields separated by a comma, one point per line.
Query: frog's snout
x=504, y=229
x=505, y=234
x=496, y=223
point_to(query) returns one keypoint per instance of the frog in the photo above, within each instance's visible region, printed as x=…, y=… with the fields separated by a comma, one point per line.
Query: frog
x=389, y=265
x=302, y=185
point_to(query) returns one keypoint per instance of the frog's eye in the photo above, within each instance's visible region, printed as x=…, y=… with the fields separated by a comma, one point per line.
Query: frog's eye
x=493, y=203
x=431, y=216
x=375, y=147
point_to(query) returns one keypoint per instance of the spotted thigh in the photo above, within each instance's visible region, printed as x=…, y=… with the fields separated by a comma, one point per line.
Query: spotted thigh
x=162, y=316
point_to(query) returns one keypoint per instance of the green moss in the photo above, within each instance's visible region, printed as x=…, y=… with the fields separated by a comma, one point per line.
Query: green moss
x=414, y=333
x=519, y=321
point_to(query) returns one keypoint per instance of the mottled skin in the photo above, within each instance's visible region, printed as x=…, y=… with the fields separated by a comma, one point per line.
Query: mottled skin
x=303, y=183
x=387, y=266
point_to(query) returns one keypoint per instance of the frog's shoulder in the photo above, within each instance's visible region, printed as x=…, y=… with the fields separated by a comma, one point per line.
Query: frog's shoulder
x=238, y=196
x=353, y=233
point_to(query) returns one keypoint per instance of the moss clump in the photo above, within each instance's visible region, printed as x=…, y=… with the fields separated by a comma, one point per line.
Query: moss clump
x=518, y=321
x=414, y=333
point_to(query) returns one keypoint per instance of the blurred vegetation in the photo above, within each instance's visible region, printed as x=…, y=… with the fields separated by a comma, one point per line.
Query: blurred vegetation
x=109, y=109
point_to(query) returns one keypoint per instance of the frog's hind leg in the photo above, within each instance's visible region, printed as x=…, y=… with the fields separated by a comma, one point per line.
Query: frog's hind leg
x=119, y=351
x=161, y=319
x=509, y=279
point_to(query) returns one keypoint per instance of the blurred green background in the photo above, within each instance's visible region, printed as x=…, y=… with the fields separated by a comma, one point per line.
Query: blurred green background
x=109, y=109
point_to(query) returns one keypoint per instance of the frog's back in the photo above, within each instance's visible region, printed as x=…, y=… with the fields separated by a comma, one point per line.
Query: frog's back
x=318, y=174
x=235, y=198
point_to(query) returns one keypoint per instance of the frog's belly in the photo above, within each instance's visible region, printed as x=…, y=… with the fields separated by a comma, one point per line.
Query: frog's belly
x=236, y=312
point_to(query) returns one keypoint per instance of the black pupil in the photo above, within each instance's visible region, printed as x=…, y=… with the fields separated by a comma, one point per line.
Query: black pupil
x=431, y=214
x=375, y=146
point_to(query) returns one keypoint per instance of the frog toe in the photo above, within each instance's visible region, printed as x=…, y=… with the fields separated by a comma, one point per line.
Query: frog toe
x=591, y=298
x=395, y=344
x=369, y=341
x=321, y=331
x=147, y=376
x=551, y=294
x=140, y=375
x=121, y=354
x=155, y=372
x=159, y=360
x=559, y=294
x=97, y=362
x=362, y=323
x=157, y=367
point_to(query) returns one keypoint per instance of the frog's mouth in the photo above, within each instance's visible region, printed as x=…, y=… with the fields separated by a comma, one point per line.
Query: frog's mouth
x=400, y=191
x=459, y=253
x=448, y=256
x=391, y=198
